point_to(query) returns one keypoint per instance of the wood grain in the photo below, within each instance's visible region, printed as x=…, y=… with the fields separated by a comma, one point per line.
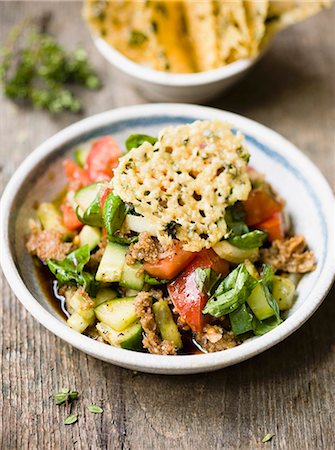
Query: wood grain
x=288, y=390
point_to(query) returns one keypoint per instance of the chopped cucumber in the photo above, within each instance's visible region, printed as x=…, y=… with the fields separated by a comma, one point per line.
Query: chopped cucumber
x=130, y=338
x=117, y=314
x=283, y=291
x=90, y=236
x=83, y=305
x=80, y=155
x=112, y=263
x=51, y=218
x=233, y=254
x=131, y=292
x=86, y=196
x=166, y=324
x=133, y=276
x=79, y=323
x=258, y=304
x=139, y=225
x=103, y=295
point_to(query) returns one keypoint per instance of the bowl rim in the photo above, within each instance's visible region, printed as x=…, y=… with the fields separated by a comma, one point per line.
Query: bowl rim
x=136, y=70
x=180, y=364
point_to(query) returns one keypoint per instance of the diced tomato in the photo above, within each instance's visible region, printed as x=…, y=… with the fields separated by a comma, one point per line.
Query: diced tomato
x=70, y=218
x=259, y=206
x=76, y=176
x=102, y=159
x=185, y=293
x=103, y=195
x=274, y=226
x=167, y=268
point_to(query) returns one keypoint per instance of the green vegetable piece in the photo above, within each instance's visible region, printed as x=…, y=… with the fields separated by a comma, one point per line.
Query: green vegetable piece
x=130, y=338
x=235, y=219
x=261, y=327
x=252, y=239
x=132, y=276
x=118, y=314
x=95, y=409
x=71, y=269
x=283, y=291
x=70, y=419
x=51, y=218
x=103, y=295
x=166, y=325
x=112, y=263
x=231, y=293
x=267, y=437
x=114, y=213
x=80, y=155
x=90, y=236
x=258, y=303
x=65, y=395
x=241, y=320
x=135, y=140
x=154, y=281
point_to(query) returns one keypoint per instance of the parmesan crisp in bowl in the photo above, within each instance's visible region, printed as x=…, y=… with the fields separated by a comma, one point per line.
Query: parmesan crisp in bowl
x=182, y=241
x=189, y=50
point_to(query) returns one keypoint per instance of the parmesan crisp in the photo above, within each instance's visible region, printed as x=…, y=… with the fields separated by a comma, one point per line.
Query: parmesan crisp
x=184, y=182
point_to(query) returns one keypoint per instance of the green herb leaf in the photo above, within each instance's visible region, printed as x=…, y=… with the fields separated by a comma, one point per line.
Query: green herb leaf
x=35, y=69
x=137, y=38
x=206, y=279
x=95, y=409
x=252, y=239
x=135, y=140
x=235, y=220
x=267, y=437
x=241, y=320
x=70, y=419
x=231, y=293
x=114, y=213
x=65, y=395
x=71, y=269
x=171, y=228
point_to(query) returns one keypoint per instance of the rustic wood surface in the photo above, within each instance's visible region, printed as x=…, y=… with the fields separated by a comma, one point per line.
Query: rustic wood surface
x=288, y=390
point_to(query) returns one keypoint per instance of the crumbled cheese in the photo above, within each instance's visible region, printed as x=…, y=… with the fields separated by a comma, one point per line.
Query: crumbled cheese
x=188, y=178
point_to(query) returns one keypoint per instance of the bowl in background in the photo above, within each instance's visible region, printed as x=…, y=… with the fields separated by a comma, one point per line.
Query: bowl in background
x=309, y=201
x=157, y=85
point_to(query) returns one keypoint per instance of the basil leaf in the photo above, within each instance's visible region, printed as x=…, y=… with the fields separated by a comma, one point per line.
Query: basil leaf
x=92, y=215
x=252, y=239
x=267, y=274
x=135, y=140
x=70, y=419
x=235, y=220
x=114, y=214
x=206, y=279
x=241, y=320
x=261, y=327
x=231, y=293
x=71, y=269
x=271, y=301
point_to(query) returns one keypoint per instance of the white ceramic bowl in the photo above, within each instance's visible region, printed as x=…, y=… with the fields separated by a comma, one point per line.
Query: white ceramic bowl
x=172, y=87
x=309, y=201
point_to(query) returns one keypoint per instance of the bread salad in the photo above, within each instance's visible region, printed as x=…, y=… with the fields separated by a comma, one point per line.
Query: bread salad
x=175, y=240
x=186, y=36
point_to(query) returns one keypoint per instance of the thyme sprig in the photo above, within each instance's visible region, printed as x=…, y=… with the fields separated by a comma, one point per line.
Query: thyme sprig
x=36, y=70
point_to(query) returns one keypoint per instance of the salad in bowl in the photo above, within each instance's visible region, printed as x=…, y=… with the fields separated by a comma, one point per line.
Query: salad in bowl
x=173, y=244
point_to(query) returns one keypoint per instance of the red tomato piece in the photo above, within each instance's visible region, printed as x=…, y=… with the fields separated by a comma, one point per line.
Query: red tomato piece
x=70, y=218
x=185, y=294
x=259, y=206
x=102, y=159
x=167, y=268
x=76, y=176
x=274, y=226
x=103, y=196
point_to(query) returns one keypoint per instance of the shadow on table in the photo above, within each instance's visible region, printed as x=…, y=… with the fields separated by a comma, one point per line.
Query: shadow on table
x=277, y=80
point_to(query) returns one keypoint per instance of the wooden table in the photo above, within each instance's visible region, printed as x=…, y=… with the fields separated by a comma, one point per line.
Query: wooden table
x=288, y=390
